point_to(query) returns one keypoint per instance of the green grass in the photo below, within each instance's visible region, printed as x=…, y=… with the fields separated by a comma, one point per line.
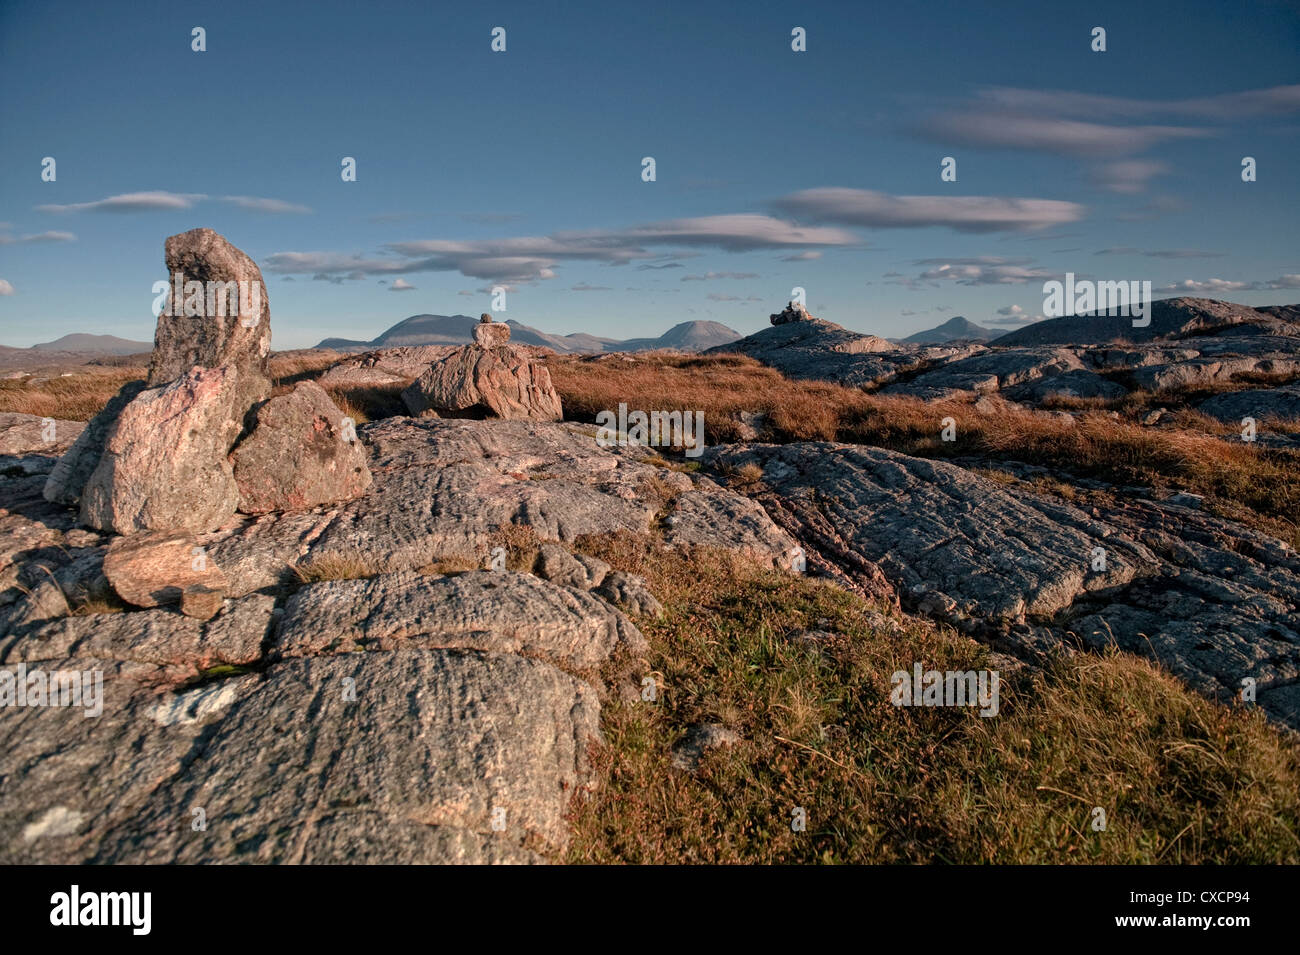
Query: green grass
x=1181, y=779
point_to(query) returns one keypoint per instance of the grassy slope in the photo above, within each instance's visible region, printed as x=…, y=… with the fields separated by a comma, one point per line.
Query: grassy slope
x=1181, y=779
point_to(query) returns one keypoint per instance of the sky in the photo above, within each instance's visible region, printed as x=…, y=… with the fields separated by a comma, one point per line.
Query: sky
x=523, y=169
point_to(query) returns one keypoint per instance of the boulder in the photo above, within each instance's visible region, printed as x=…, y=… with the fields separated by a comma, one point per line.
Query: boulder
x=71, y=472
x=242, y=341
x=302, y=452
x=489, y=333
x=165, y=463
x=153, y=569
x=476, y=382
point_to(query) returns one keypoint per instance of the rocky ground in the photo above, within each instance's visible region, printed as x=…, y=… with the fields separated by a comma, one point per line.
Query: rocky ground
x=391, y=645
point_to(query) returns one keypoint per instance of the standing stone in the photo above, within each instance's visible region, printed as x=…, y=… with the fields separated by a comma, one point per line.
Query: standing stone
x=165, y=464
x=301, y=453
x=212, y=341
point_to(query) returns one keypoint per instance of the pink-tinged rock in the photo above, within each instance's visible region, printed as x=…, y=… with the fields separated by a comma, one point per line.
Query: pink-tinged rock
x=150, y=570
x=213, y=340
x=302, y=452
x=165, y=464
x=478, y=382
x=489, y=334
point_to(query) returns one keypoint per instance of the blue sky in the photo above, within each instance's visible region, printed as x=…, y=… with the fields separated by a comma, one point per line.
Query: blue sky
x=774, y=168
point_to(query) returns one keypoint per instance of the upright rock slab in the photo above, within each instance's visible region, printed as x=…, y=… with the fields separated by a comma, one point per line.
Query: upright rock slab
x=215, y=338
x=165, y=463
x=302, y=453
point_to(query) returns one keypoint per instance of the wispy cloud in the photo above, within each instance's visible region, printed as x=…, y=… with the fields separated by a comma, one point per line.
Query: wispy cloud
x=132, y=202
x=50, y=236
x=711, y=276
x=1223, y=107
x=6, y=288
x=869, y=209
x=1127, y=177
x=257, y=204
x=1067, y=123
x=162, y=201
x=1160, y=253
x=530, y=258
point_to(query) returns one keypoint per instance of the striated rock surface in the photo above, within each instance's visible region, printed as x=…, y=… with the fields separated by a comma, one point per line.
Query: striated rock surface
x=495, y=611
x=32, y=434
x=385, y=366
x=477, y=382
x=1213, y=601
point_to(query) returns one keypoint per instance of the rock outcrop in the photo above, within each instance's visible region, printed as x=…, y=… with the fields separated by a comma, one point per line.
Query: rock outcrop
x=186, y=453
x=1214, y=601
x=500, y=381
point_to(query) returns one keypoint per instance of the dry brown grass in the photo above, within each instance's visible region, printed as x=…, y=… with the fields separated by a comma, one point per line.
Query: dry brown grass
x=1181, y=779
x=75, y=398
x=1209, y=460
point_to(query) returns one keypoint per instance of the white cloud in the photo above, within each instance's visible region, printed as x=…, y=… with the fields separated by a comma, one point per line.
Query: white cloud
x=1289, y=281
x=866, y=208
x=6, y=288
x=401, y=285
x=1012, y=315
x=132, y=202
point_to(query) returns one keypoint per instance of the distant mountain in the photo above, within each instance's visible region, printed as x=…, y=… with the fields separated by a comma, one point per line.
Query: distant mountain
x=101, y=344
x=686, y=336
x=459, y=330
x=955, y=329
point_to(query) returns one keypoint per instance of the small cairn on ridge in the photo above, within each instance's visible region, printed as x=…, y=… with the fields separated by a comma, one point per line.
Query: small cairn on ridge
x=488, y=378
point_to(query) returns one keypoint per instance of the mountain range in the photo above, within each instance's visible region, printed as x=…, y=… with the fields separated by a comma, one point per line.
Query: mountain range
x=459, y=330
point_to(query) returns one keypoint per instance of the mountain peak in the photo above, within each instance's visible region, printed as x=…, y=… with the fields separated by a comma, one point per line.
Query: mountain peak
x=957, y=327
